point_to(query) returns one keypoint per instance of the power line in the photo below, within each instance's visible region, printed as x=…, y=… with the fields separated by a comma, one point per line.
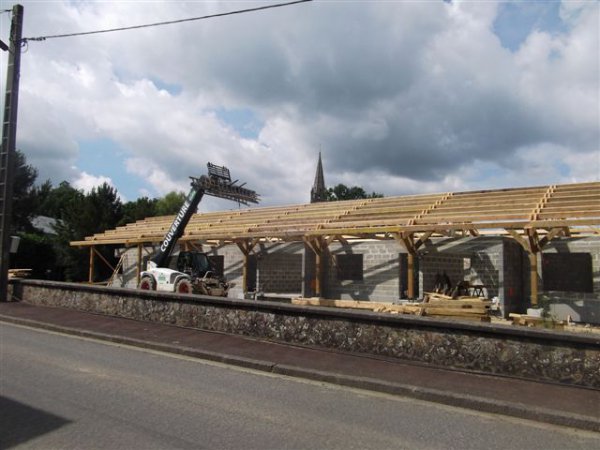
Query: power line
x=171, y=22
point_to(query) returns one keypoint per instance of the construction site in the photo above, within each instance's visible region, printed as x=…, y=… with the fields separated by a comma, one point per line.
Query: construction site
x=499, y=282
x=531, y=255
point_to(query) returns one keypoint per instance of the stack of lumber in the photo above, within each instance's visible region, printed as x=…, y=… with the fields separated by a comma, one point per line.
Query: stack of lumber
x=19, y=273
x=409, y=308
x=467, y=307
x=473, y=308
x=534, y=321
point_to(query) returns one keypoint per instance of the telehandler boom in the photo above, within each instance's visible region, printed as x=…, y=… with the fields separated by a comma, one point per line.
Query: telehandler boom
x=192, y=272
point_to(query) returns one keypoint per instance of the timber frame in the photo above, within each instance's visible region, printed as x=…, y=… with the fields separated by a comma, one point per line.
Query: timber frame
x=533, y=216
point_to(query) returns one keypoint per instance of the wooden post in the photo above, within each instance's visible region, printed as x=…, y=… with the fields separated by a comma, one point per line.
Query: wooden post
x=91, y=273
x=533, y=278
x=532, y=244
x=408, y=241
x=318, y=245
x=319, y=273
x=139, y=264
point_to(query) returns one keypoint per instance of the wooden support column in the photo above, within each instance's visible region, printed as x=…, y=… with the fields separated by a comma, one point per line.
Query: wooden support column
x=91, y=272
x=408, y=241
x=533, y=278
x=139, y=264
x=532, y=245
x=319, y=274
x=319, y=244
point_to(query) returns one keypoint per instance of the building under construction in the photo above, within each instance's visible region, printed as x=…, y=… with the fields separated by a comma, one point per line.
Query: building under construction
x=522, y=246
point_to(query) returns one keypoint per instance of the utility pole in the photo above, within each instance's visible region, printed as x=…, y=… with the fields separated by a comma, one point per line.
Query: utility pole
x=7, y=152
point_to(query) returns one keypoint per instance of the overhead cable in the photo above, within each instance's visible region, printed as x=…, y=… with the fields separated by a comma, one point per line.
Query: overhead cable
x=171, y=22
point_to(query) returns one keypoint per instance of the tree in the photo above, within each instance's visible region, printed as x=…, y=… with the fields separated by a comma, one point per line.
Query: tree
x=342, y=192
x=139, y=209
x=59, y=201
x=83, y=215
x=170, y=204
x=24, y=193
x=36, y=252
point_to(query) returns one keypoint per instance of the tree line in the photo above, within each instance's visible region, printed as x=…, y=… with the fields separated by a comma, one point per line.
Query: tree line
x=75, y=214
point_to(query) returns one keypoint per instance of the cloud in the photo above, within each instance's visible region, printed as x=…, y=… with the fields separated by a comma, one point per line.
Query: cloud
x=400, y=97
x=86, y=182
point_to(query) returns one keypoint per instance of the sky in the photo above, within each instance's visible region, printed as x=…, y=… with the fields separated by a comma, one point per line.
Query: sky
x=400, y=97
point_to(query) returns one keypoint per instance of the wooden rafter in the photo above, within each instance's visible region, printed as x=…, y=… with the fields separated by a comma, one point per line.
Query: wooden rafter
x=535, y=214
x=574, y=208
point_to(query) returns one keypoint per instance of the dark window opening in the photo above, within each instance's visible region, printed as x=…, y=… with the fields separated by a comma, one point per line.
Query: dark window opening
x=218, y=264
x=349, y=267
x=567, y=272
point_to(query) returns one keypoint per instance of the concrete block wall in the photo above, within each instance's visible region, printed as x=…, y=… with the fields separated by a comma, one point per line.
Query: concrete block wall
x=439, y=263
x=381, y=271
x=486, y=269
x=278, y=267
x=581, y=306
x=478, y=260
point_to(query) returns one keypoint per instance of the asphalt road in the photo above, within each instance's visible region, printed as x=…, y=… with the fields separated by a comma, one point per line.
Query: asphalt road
x=60, y=391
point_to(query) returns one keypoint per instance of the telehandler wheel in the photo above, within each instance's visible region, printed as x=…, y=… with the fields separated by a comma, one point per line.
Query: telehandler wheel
x=183, y=286
x=147, y=284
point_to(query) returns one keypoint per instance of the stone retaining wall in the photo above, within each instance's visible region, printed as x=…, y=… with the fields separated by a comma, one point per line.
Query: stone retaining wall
x=528, y=353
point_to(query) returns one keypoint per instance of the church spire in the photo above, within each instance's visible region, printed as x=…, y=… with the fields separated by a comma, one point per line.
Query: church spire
x=318, y=193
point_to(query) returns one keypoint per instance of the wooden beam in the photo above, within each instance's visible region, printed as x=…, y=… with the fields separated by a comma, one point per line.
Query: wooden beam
x=520, y=240
x=407, y=240
x=110, y=266
x=532, y=248
x=91, y=268
x=533, y=278
x=534, y=241
x=319, y=245
x=139, y=264
x=554, y=232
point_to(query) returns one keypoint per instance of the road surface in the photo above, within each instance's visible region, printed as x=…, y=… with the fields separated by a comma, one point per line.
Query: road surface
x=61, y=391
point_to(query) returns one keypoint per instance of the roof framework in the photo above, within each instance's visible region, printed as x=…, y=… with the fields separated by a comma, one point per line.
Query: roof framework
x=568, y=209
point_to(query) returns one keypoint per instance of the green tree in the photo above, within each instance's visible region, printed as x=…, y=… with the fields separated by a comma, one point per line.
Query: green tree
x=170, y=204
x=83, y=215
x=24, y=193
x=59, y=201
x=139, y=209
x=36, y=252
x=343, y=192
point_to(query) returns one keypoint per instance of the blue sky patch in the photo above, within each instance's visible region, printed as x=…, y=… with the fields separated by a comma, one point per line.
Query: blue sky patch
x=173, y=89
x=244, y=121
x=104, y=157
x=517, y=19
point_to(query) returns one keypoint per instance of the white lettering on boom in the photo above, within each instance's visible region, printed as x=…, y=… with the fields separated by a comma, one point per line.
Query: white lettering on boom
x=171, y=233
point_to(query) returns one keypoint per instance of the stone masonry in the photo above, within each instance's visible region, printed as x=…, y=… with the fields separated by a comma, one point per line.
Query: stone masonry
x=570, y=358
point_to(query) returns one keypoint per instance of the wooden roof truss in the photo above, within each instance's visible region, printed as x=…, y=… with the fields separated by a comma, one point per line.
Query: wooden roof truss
x=533, y=216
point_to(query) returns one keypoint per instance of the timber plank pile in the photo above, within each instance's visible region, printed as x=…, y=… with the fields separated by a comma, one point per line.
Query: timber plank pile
x=435, y=305
x=19, y=273
x=569, y=209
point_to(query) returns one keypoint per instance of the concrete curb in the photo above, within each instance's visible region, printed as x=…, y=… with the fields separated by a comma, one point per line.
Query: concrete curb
x=482, y=404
